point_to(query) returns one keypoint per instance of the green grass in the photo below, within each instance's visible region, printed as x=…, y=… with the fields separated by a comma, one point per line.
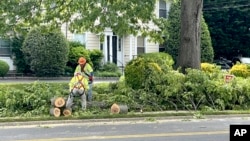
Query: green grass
x=150, y=116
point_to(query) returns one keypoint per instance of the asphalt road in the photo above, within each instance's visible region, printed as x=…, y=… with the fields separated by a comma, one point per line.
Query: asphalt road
x=210, y=129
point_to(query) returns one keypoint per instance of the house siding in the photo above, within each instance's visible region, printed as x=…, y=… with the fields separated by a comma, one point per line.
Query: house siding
x=92, y=41
x=151, y=47
x=128, y=47
x=68, y=35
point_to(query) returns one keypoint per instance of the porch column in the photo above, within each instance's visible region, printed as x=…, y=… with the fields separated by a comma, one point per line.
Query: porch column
x=110, y=49
x=105, y=48
x=130, y=47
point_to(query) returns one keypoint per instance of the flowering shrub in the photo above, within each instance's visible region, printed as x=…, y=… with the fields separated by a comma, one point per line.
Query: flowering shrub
x=241, y=70
x=207, y=67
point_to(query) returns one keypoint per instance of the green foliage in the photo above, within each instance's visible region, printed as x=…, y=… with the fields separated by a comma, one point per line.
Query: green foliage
x=229, y=27
x=74, y=54
x=196, y=90
x=93, y=57
x=112, y=67
x=164, y=60
x=73, y=44
x=19, y=60
x=107, y=74
x=46, y=51
x=240, y=70
x=28, y=100
x=173, y=42
x=207, y=51
x=108, y=70
x=210, y=68
x=96, y=57
x=107, y=12
x=4, y=68
x=146, y=66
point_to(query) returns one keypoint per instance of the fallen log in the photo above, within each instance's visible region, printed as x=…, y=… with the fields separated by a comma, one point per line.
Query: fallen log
x=56, y=112
x=58, y=101
x=119, y=109
x=67, y=112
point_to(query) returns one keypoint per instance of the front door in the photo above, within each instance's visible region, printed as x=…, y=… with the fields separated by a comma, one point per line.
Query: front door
x=114, y=49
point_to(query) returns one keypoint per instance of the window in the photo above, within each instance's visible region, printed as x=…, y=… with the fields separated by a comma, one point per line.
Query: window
x=5, y=48
x=140, y=45
x=79, y=38
x=163, y=9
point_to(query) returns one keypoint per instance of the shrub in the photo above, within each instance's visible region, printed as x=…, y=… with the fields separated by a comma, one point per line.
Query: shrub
x=145, y=67
x=107, y=74
x=210, y=68
x=241, y=70
x=73, y=44
x=108, y=70
x=111, y=67
x=74, y=54
x=19, y=60
x=93, y=57
x=164, y=60
x=4, y=68
x=46, y=51
x=96, y=58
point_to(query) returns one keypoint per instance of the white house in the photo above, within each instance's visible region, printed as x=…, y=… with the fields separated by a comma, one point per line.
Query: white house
x=118, y=50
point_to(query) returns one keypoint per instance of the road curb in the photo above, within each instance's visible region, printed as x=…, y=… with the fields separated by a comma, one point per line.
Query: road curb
x=120, y=120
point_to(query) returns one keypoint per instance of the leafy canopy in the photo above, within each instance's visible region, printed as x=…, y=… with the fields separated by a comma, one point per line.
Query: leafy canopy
x=124, y=17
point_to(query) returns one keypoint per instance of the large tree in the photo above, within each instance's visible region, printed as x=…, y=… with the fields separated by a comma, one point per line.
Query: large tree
x=190, y=51
x=173, y=28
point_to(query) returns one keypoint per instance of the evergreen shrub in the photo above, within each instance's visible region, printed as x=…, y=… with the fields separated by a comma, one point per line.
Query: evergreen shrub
x=4, y=68
x=145, y=67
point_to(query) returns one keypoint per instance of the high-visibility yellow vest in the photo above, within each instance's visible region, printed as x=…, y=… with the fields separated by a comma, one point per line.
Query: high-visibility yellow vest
x=79, y=82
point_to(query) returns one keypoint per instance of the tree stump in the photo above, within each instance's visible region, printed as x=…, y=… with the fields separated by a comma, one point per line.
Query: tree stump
x=58, y=101
x=56, y=112
x=67, y=112
x=119, y=109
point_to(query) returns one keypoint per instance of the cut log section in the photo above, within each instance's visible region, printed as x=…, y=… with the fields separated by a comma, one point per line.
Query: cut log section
x=119, y=109
x=67, y=112
x=58, y=101
x=56, y=112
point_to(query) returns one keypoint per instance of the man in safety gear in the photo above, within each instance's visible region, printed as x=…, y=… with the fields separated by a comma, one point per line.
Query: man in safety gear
x=78, y=86
x=87, y=71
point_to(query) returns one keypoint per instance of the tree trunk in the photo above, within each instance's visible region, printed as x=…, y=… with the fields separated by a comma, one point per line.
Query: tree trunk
x=119, y=109
x=189, y=52
x=67, y=112
x=56, y=112
x=57, y=102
